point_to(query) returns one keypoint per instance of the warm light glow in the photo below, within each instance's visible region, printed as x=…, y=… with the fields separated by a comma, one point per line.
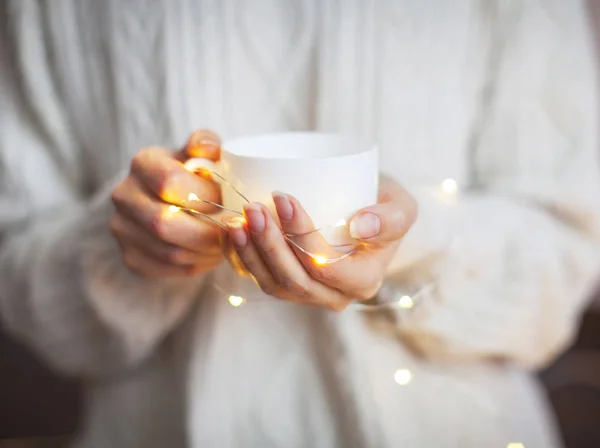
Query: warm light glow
x=193, y=166
x=174, y=208
x=320, y=260
x=402, y=377
x=449, y=186
x=204, y=173
x=237, y=221
x=515, y=445
x=193, y=197
x=340, y=223
x=405, y=302
x=236, y=300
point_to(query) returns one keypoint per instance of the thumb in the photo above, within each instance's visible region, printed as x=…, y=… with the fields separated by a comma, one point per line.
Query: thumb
x=386, y=222
x=202, y=143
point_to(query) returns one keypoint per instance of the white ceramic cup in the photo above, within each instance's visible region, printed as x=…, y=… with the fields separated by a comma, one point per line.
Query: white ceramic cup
x=331, y=175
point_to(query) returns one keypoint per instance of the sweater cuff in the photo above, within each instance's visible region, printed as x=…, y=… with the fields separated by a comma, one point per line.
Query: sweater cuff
x=138, y=309
x=66, y=291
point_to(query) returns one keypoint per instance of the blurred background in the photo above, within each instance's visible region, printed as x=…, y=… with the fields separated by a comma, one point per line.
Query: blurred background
x=39, y=409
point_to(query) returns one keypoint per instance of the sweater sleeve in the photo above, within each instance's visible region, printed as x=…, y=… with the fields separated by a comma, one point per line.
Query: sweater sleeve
x=527, y=249
x=63, y=288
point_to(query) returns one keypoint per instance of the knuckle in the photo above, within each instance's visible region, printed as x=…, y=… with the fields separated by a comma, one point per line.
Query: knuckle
x=159, y=225
x=325, y=274
x=295, y=287
x=269, y=289
x=176, y=255
x=270, y=250
x=337, y=305
x=119, y=194
x=138, y=161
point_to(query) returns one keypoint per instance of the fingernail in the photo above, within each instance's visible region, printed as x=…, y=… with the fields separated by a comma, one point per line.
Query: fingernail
x=365, y=225
x=203, y=143
x=256, y=219
x=202, y=138
x=284, y=207
x=237, y=231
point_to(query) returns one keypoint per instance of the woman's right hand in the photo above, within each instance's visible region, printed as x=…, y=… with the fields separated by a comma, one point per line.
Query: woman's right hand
x=157, y=240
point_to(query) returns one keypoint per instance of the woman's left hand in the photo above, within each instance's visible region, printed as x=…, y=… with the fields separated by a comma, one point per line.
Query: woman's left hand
x=287, y=273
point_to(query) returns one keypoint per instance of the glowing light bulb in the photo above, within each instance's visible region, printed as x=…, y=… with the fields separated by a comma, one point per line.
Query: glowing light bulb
x=320, y=260
x=237, y=222
x=449, y=186
x=340, y=223
x=191, y=167
x=405, y=302
x=193, y=197
x=236, y=300
x=174, y=209
x=515, y=445
x=402, y=377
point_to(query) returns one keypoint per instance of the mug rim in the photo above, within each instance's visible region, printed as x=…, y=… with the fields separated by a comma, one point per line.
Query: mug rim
x=369, y=147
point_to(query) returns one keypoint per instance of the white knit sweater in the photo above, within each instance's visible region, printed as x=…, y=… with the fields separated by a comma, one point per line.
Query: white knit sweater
x=498, y=95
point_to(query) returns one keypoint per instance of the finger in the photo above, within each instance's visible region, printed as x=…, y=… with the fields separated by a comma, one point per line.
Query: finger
x=204, y=143
x=127, y=230
x=354, y=276
x=145, y=266
x=201, y=143
x=251, y=259
x=283, y=264
x=165, y=222
x=389, y=220
x=165, y=177
x=232, y=256
x=298, y=224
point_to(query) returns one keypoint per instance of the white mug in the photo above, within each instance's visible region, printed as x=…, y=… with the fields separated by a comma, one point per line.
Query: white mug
x=332, y=176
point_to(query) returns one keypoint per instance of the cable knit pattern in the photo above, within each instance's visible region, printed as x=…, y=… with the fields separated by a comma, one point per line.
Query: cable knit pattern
x=139, y=66
x=499, y=96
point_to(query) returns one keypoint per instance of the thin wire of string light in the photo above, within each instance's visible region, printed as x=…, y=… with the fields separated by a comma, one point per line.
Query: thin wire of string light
x=318, y=259
x=393, y=298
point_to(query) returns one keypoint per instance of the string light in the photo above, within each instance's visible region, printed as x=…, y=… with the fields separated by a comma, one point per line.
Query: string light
x=320, y=260
x=449, y=186
x=403, y=377
x=236, y=301
x=405, y=302
x=317, y=258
